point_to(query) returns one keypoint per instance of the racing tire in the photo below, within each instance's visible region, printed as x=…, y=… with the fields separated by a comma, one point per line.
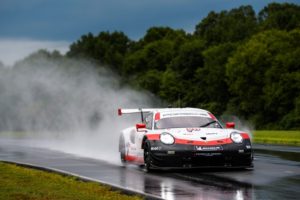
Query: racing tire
x=147, y=157
x=122, y=149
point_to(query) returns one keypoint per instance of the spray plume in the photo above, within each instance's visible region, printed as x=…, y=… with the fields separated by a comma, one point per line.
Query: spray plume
x=69, y=105
x=240, y=123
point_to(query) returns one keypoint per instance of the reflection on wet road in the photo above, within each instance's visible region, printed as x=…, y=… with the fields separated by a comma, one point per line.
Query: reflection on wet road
x=273, y=177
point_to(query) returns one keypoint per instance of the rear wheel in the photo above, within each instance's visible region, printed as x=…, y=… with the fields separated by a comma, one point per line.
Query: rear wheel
x=122, y=150
x=147, y=157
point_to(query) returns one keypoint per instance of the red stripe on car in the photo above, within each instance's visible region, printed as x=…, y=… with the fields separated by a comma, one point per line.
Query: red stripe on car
x=153, y=136
x=193, y=142
x=203, y=143
x=137, y=159
x=245, y=135
x=212, y=116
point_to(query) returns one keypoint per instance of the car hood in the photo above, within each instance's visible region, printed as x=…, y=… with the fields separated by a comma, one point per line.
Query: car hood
x=207, y=134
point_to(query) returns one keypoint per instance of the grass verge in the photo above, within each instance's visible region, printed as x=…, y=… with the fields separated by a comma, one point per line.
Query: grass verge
x=24, y=183
x=277, y=137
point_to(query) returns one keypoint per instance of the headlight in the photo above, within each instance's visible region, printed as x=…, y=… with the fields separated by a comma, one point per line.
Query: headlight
x=167, y=138
x=236, y=137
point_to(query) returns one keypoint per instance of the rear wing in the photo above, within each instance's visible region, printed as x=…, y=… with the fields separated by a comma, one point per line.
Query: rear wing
x=122, y=111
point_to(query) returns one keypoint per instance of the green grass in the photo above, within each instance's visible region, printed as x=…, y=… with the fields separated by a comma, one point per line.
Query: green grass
x=277, y=137
x=30, y=184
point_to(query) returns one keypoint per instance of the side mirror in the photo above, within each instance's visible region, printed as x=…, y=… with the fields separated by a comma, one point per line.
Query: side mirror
x=140, y=127
x=230, y=125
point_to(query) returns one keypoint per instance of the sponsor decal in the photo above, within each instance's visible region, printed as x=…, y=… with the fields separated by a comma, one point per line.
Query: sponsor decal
x=192, y=129
x=188, y=133
x=184, y=114
x=211, y=133
x=208, y=148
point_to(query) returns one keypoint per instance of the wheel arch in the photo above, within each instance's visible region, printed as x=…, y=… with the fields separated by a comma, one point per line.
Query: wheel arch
x=121, y=139
x=145, y=138
x=125, y=136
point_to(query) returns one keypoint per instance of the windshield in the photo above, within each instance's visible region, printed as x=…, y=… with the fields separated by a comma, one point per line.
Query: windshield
x=186, y=122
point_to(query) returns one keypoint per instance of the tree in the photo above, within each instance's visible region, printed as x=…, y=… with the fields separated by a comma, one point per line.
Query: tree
x=189, y=58
x=84, y=47
x=160, y=33
x=235, y=62
x=183, y=68
x=172, y=88
x=211, y=79
x=106, y=48
x=154, y=56
x=280, y=16
x=263, y=76
x=228, y=26
x=150, y=80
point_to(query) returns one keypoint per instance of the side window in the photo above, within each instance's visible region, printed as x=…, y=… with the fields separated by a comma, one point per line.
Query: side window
x=148, y=120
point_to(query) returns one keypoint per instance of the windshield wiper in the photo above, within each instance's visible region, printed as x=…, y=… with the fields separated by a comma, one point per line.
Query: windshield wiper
x=209, y=123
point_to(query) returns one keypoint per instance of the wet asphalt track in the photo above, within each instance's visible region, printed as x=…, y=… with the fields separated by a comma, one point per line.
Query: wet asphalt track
x=276, y=174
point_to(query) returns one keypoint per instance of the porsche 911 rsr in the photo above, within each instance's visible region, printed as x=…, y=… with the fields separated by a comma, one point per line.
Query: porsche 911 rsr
x=183, y=138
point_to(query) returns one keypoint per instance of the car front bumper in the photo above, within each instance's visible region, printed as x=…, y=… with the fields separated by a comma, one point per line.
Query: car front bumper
x=191, y=156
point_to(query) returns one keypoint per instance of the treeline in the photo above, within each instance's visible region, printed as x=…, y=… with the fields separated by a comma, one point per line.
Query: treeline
x=235, y=62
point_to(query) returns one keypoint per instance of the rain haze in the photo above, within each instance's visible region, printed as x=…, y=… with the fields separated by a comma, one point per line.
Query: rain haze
x=76, y=112
x=69, y=109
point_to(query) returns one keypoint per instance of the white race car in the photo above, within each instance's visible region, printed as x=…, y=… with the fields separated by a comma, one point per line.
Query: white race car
x=183, y=138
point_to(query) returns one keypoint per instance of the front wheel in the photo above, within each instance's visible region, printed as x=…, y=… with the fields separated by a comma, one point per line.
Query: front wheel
x=147, y=157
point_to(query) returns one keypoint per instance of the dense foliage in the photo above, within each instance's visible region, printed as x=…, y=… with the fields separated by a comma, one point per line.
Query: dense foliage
x=236, y=62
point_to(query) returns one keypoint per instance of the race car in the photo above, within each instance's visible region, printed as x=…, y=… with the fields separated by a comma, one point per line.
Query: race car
x=169, y=138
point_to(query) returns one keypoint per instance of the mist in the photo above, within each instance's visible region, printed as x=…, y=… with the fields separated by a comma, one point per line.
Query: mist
x=240, y=123
x=67, y=104
x=12, y=50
